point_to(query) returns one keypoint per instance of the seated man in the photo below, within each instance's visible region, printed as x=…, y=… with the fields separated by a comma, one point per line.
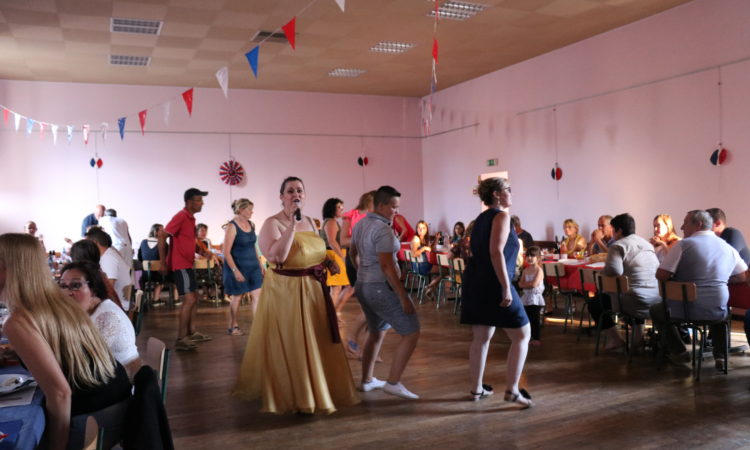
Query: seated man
x=709, y=262
x=601, y=238
x=732, y=236
x=525, y=236
x=633, y=256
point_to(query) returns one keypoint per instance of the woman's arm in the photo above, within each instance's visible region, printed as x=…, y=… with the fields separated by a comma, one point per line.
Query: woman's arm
x=274, y=243
x=229, y=234
x=417, y=249
x=330, y=230
x=498, y=238
x=37, y=355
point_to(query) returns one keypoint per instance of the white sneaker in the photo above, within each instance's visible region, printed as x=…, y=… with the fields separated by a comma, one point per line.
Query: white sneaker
x=399, y=390
x=372, y=385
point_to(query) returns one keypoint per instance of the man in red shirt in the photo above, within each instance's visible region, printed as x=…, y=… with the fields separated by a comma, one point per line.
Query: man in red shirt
x=179, y=260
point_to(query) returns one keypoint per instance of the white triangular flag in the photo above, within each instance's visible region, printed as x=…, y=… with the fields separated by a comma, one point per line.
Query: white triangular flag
x=54, y=133
x=17, y=119
x=222, y=76
x=167, y=109
x=104, y=127
x=70, y=134
x=341, y=4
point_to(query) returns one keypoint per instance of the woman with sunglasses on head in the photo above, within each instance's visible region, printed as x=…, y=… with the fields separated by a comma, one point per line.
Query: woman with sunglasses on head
x=83, y=282
x=56, y=341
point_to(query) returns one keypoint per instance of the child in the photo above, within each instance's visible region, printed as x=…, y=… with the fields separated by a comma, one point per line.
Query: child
x=532, y=282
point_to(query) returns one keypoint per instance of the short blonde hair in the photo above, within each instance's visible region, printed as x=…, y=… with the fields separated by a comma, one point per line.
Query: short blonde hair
x=573, y=223
x=240, y=204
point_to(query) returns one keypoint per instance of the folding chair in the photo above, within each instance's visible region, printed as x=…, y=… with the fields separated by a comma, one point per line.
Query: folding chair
x=445, y=272
x=588, y=277
x=157, y=356
x=457, y=265
x=618, y=286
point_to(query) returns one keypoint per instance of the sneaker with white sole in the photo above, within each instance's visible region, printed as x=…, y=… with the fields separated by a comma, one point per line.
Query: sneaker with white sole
x=399, y=390
x=372, y=385
x=184, y=345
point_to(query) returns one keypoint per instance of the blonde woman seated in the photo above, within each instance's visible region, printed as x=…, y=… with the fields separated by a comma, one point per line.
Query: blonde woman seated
x=573, y=242
x=664, y=235
x=82, y=281
x=57, y=342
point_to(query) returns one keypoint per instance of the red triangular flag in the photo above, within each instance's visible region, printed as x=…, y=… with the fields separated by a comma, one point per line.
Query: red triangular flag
x=6, y=114
x=142, y=119
x=435, y=50
x=289, y=31
x=188, y=97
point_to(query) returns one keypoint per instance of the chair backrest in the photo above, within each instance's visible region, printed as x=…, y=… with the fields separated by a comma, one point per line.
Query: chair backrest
x=588, y=276
x=679, y=291
x=618, y=285
x=202, y=263
x=138, y=311
x=157, y=356
x=443, y=260
x=554, y=270
x=458, y=265
x=93, y=436
x=152, y=265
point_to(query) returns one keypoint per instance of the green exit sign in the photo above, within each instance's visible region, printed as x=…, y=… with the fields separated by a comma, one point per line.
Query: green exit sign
x=491, y=162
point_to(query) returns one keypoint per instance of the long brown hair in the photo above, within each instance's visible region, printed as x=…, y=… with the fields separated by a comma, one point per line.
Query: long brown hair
x=31, y=292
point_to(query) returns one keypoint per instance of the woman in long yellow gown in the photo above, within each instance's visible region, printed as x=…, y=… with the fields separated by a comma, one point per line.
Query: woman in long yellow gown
x=292, y=359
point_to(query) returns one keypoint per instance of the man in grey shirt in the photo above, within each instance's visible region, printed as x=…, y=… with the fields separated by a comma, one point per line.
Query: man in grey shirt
x=381, y=294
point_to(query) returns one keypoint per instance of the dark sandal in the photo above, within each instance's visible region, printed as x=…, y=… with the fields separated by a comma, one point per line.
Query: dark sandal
x=486, y=392
x=523, y=398
x=235, y=331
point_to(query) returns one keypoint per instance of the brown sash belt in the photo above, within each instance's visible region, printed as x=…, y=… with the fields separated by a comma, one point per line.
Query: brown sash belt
x=319, y=273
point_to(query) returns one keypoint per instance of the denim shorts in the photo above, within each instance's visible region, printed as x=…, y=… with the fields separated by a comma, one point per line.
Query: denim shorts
x=383, y=309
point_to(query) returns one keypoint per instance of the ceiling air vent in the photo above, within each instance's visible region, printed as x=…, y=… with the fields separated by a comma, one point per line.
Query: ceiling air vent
x=269, y=36
x=127, y=60
x=457, y=10
x=346, y=73
x=137, y=26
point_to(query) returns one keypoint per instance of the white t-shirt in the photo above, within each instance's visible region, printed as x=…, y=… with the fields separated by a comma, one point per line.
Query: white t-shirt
x=117, y=229
x=117, y=331
x=116, y=269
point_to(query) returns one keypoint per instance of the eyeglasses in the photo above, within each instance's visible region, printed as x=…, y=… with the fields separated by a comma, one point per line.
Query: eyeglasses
x=73, y=286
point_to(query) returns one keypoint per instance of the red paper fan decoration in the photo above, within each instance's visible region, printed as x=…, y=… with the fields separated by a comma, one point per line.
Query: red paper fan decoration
x=556, y=172
x=719, y=156
x=231, y=172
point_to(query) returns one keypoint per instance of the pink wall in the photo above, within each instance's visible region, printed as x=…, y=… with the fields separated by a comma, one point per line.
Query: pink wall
x=644, y=150
x=144, y=176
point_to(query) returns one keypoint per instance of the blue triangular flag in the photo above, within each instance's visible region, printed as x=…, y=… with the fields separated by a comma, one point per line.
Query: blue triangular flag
x=252, y=58
x=121, y=124
x=29, y=125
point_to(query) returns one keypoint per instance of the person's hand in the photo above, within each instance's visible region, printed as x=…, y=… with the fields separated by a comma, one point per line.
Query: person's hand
x=597, y=235
x=656, y=241
x=333, y=267
x=408, y=305
x=507, y=299
x=427, y=248
x=238, y=276
x=163, y=268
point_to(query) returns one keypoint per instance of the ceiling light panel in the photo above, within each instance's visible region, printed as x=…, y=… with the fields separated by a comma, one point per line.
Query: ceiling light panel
x=391, y=47
x=128, y=60
x=136, y=26
x=346, y=73
x=457, y=10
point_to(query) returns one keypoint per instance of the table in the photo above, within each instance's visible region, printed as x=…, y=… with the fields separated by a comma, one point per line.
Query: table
x=31, y=416
x=572, y=279
x=739, y=295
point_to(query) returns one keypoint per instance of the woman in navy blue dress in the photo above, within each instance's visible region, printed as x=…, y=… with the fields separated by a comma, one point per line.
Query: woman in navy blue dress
x=242, y=270
x=489, y=299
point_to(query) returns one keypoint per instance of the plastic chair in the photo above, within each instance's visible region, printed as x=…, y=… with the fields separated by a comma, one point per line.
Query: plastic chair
x=557, y=271
x=457, y=265
x=687, y=293
x=94, y=436
x=157, y=356
x=204, y=277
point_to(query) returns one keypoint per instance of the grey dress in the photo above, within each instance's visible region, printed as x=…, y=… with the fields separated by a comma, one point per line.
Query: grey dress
x=635, y=258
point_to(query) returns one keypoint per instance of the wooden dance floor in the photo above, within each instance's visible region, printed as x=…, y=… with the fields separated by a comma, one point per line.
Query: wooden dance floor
x=582, y=400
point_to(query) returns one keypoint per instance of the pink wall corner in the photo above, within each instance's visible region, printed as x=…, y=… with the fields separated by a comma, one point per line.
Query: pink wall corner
x=317, y=137
x=643, y=150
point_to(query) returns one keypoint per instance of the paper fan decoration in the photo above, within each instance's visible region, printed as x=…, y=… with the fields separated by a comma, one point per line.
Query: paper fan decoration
x=231, y=172
x=363, y=161
x=556, y=172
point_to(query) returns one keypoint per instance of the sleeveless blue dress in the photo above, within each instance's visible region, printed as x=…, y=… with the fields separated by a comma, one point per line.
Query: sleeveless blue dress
x=246, y=260
x=482, y=291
